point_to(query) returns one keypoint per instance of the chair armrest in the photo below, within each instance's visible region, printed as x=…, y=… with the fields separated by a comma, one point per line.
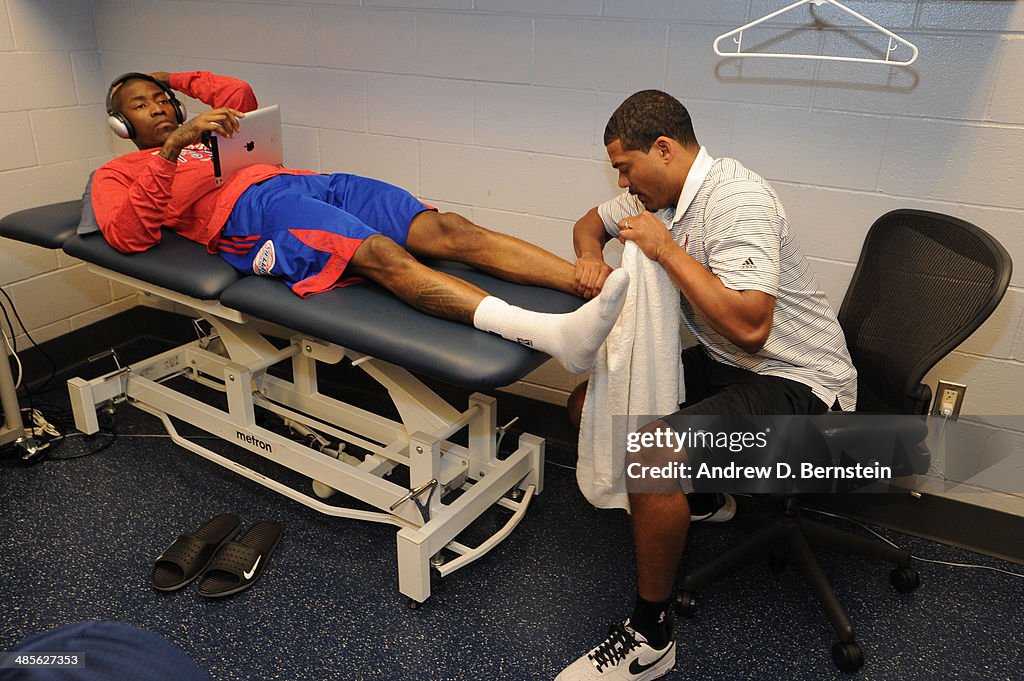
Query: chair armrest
x=895, y=440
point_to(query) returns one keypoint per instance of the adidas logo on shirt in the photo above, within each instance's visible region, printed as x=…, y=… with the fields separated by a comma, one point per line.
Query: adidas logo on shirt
x=748, y=264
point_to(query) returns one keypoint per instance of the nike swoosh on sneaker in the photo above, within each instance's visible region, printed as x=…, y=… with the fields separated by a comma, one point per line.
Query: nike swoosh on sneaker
x=252, y=571
x=637, y=668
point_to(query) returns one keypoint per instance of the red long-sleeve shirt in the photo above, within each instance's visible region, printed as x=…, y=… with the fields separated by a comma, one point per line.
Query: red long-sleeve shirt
x=135, y=195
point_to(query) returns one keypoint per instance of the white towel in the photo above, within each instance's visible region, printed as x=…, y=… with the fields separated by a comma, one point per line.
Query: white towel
x=637, y=375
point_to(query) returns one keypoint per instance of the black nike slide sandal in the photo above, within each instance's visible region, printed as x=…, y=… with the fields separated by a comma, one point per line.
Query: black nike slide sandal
x=241, y=562
x=189, y=555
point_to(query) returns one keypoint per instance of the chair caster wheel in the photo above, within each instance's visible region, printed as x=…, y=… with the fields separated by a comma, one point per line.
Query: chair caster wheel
x=904, y=579
x=849, y=657
x=414, y=604
x=686, y=604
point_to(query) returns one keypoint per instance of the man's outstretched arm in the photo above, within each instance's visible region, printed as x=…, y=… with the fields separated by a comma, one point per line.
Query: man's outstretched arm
x=588, y=239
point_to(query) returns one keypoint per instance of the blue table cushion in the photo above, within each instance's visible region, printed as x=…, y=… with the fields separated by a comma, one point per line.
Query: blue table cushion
x=175, y=263
x=46, y=226
x=368, y=319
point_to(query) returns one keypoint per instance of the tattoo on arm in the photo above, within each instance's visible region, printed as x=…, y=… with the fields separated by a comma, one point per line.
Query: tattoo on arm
x=173, y=146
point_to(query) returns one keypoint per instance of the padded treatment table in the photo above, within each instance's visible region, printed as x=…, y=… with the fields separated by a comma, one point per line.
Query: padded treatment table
x=450, y=482
x=46, y=226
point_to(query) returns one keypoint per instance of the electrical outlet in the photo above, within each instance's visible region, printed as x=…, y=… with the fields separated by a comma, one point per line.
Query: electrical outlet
x=949, y=397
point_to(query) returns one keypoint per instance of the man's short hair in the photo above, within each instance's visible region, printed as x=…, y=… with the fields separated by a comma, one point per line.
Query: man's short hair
x=646, y=116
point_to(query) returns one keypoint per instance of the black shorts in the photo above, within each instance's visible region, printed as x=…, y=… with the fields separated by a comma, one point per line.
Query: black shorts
x=742, y=409
x=714, y=388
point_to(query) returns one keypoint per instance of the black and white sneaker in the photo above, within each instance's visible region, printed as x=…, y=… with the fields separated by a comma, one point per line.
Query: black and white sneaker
x=624, y=656
x=721, y=509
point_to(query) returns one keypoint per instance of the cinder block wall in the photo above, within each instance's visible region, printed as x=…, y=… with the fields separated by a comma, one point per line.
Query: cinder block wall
x=495, y=108
x=52, y=134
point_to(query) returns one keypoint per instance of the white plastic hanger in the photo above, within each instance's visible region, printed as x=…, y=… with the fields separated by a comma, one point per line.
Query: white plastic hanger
x=893, y=39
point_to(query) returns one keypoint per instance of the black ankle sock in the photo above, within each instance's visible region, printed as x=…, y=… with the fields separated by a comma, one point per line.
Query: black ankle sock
x=653, y=621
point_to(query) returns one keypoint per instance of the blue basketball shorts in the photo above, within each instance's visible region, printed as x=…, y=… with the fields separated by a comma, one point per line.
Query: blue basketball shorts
x=305, y=228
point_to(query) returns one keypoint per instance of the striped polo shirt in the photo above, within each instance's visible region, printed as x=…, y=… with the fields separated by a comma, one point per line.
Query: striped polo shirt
x=730, y=220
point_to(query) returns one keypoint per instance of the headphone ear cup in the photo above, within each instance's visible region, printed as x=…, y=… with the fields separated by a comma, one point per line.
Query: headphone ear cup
x=179, y=110
x=120, y=126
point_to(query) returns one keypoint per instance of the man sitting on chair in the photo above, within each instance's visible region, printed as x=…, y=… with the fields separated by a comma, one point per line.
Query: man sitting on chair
x=319, y=231
x=769, y=342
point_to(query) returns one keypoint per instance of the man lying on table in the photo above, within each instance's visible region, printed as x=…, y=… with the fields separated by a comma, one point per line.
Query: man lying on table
x=320, y=231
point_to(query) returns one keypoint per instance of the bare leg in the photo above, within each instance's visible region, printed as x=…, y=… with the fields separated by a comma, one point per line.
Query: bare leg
x=660, y=523
x=450, y=236
x=574, y=405
x=661, y=519
x=384, y=262
x=573, y=339
x=644, y=647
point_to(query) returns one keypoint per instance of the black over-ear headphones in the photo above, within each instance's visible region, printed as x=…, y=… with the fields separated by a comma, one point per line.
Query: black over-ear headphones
x=118, y=122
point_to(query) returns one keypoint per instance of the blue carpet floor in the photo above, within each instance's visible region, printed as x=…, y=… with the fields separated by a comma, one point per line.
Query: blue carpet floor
x=79, y=536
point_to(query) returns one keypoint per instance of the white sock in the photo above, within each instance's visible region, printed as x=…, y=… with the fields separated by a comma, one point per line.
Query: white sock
x=572, y=338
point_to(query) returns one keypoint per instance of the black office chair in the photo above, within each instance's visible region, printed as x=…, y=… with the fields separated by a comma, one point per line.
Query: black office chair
x=924, y=282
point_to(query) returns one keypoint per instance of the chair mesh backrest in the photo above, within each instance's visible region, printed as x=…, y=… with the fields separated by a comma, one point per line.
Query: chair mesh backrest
x=924, y=282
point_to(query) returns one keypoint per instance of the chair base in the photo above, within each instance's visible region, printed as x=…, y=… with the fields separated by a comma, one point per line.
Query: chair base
x=787, y=537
